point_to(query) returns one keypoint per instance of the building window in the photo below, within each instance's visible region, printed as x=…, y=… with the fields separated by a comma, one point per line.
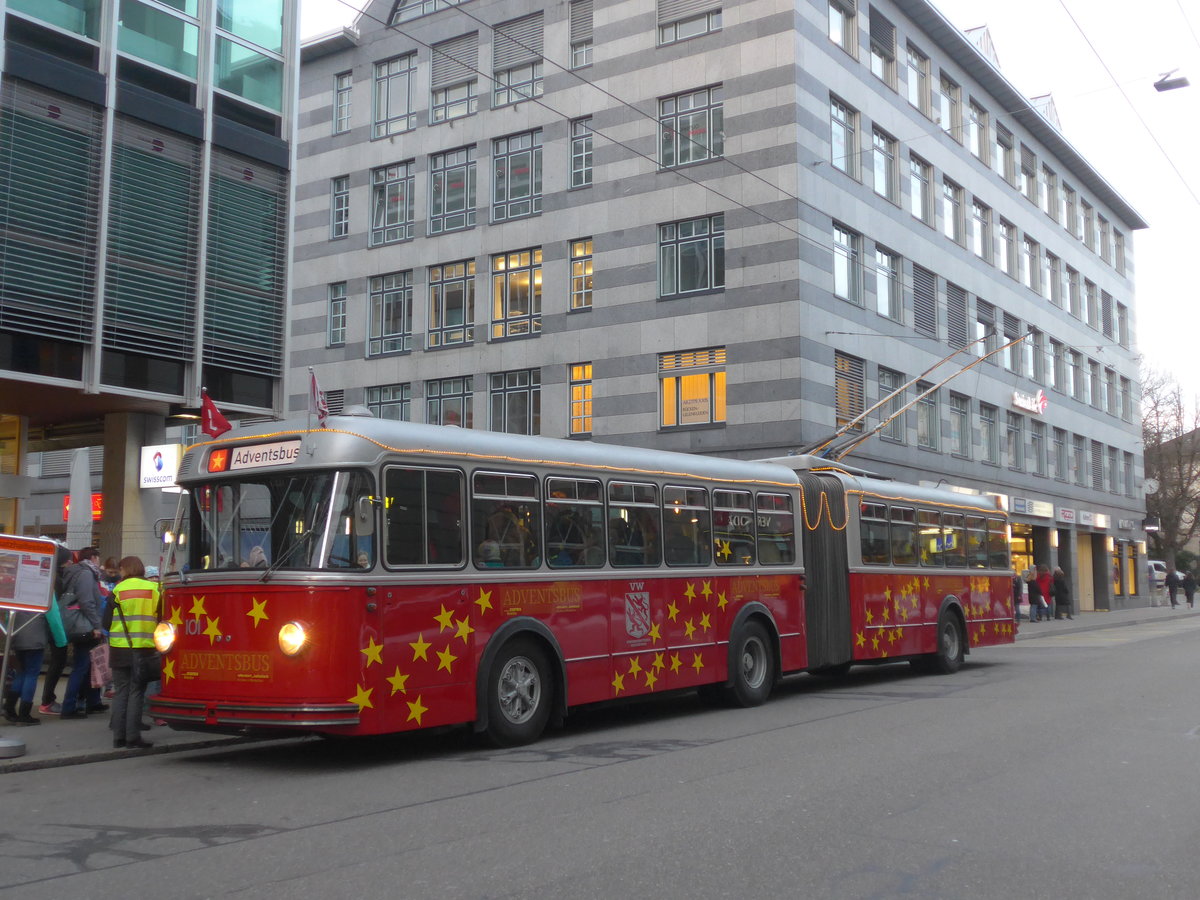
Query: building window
x=1052, y=278
x=1027, y=178
x=1002, y=154
x=1059, y=454
x=581, y=398
x=981, y=230
x=883, y=164
x=952, y=211
x=924, y=301
x=887, y=283
x=407, y=10
x=581, y=274
x=984, y=334
x=452, y=304
x=1119, y=251
x=883, y=49
x=448, y=402
x=920, y=190
x=692, y=387
x=1087, y=227
x=844, y=135
x=1068, y=214
x=989, y=439
x=847, y=247
x=1015, y=441
x=977, y=131
x=843, y=25
x=1110, y=392
x=957, y=330
x=1091, y=304
x=1078, y=376
x=517, y=84
x=452, y=190
x=1128, y=472
x=339, y=207
x=390, y=314
x=1095, y=385
x=1074, y=298
x=960, y=432
x=517, y=60
x=1097, y=466
x=1058, y=364
x=517, y=293
x=690, y=127
x=1105, y=248
x=891, y=382
x=1035, y=355
x=1048, y=192
x=393, y=95
x=392, y=204
x=928, y=420
x=918, y=79
x=517, y=176
x=343, y=88
x=1122, y=325
x=1012, y=352
x=849, y=394
x=1126, y=399
x=1079, y=459
x=579, y=27
x=678, y=22
x=1030, y=263
x=455, y=101
x=1008, y=249
x=691, y=256
x=391, y=401
x=516, y=402
x=581, y=153
x=949, y=111
x=336, y=331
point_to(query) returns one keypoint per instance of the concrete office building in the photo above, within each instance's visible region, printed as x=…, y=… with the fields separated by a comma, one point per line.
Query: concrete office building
x=725, y=228
x=145, y=158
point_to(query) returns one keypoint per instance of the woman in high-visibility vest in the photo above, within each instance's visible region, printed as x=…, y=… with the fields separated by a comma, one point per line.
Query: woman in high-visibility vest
x=130, y=620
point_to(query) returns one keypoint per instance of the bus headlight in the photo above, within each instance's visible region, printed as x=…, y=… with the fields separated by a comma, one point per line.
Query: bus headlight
x=292, y=638
x=164, y=636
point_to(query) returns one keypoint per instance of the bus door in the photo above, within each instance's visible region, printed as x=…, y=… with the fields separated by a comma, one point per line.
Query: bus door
x=827, y=592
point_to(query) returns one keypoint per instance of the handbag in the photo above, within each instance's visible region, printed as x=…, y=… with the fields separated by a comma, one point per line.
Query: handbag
x=101, y=671
x=75, y=623
x=146, y=667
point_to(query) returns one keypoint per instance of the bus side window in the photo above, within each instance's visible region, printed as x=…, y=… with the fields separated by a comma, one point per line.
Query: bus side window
x=574, y=523
x=977, y=551
x=687, y=528
x=505, y=521
x=998, y=544
x=929, y=537
x=423, y=517
x=633, y=532
x=904, y=536
x=776, y=529
x=733, y=528
x=956, y=542
x=873, y=533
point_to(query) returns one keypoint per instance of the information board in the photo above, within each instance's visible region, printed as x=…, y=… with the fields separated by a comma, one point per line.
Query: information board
x=26, y=573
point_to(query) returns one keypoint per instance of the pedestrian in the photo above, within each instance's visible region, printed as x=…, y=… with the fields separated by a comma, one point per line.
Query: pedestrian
x=56, y=661
x=1018, y=594
x=1061, y=589
x=1045, y=584
x=1037, y=602
x=1188, y=583
x=1173, y=582
x=80, y=605
x=131, y=618
x=32, y=631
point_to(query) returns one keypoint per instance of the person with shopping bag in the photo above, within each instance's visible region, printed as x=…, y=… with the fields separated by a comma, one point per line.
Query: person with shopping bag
x=130, y=619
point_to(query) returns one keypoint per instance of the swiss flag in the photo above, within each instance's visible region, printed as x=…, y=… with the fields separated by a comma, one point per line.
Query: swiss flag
x=212, y=422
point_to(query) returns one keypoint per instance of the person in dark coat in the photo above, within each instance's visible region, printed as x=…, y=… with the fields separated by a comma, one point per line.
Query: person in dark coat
x=1189, y=588
x=1061, y=589
x=1038, y=605
x=1173, y=583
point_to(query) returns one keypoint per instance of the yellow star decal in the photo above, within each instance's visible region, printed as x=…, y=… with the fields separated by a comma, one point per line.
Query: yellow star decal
x=420, y=648
x=484, y=600
x=258, y=611
x=860, y=640
x=887, y=614
x=446, y=659
x=926, y=582
x=690, y=592
x=168, y=669
x=697, y=662
x=197, y=609
x=658, y=665
x=398, y=682
x=870, y=617
x=416, y=710
x=721, y=601
x=655, y=634
x=672, y=610
x=892, y=636
x=176, y=617
x=362, y=698
x=903, y=613
x=887, y=594
x=705, y=622
x=726, y=551
x=464, y=629
x=618, y=682
x=706, y=590
x=675, y=662
x=651, y=679
x=689, y=629
x=899, y=633
x=373, y=652
x=444, y=619
x=916, y=603
x=874, y=642
x=213, y=630
x=635, y=666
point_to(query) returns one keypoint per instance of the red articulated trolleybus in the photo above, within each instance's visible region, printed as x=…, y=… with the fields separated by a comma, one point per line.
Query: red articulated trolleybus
x=377, y=576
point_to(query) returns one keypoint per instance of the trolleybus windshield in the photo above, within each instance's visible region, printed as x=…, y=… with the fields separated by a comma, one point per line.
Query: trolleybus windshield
x=276, y=521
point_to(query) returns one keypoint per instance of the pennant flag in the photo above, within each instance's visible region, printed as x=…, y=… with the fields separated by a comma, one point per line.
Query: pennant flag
x=212, y=422
x=317, y=405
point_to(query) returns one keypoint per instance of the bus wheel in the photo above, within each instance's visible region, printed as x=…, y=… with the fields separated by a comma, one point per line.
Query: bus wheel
x=753, y=664
x=948, y=658
x=519, y=694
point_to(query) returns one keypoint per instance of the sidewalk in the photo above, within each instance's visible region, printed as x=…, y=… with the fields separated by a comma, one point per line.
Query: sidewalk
x=63, y=743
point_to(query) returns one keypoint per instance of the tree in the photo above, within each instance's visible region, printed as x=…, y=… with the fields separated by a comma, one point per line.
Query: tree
x=1171, y=444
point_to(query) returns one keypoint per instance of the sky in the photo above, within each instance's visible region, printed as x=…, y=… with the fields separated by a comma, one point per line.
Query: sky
x=1099, y=60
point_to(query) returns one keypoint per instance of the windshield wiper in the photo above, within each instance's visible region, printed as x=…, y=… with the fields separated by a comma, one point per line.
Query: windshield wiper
x=302, y=541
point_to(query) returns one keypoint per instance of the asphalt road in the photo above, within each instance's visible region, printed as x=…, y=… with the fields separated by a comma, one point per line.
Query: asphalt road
x=1061, y=767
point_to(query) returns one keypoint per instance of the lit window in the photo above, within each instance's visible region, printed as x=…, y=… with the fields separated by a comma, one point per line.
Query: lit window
x=517, y=293
x=581, y=274
x=581, y=398
x=452, y=303
x=692, y=387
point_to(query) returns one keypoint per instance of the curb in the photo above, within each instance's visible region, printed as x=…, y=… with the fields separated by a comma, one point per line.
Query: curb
x=21, y=764
x=1146, y=616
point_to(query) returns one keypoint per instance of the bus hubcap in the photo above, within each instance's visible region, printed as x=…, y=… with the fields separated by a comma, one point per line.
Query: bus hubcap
x=519, y=689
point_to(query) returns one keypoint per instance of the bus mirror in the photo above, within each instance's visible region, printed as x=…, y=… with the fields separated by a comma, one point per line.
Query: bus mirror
x=364, y=516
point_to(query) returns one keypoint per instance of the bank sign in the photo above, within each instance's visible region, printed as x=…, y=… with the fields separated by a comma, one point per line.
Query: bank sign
x=159, y=466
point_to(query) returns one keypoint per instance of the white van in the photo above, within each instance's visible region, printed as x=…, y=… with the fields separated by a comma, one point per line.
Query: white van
x=1158, y=571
